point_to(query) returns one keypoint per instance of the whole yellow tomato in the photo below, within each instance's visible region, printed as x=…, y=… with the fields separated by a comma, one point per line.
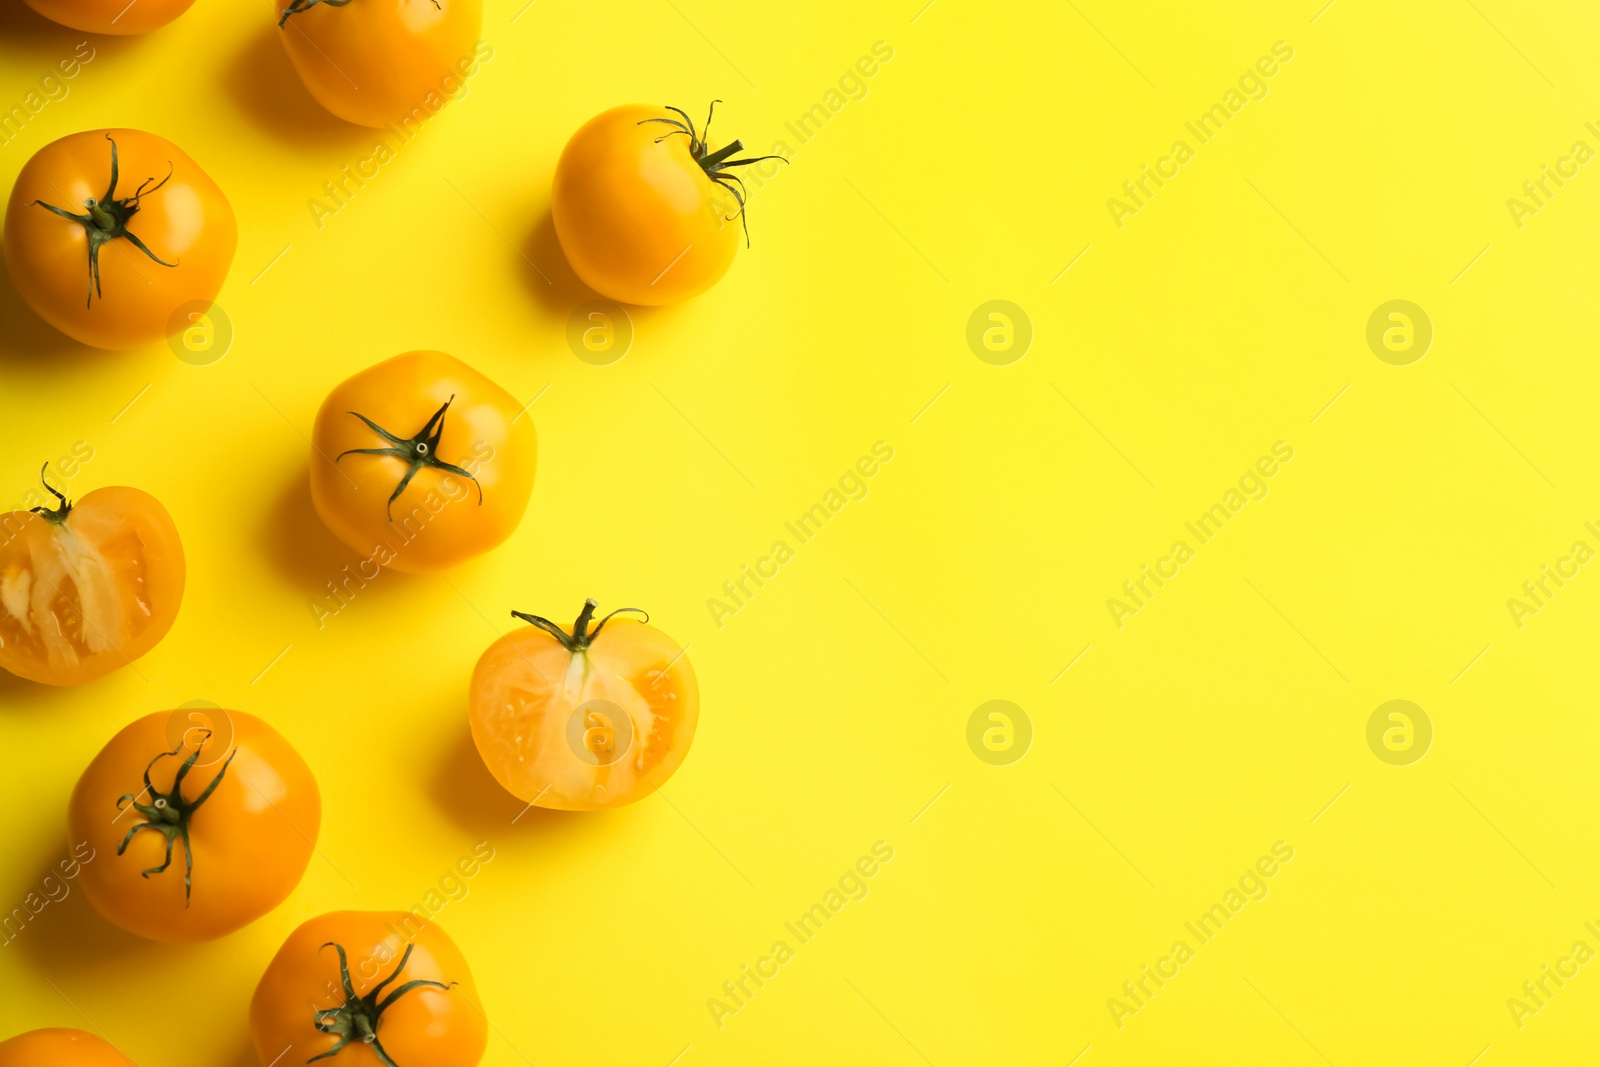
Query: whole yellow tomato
x=373, y=62
x=363, y=988
x=200, y=822
x=644, y=209
x=59, y=1047
x=593, y=718
x=421, y=462
x=87, y=587
x=110, y=232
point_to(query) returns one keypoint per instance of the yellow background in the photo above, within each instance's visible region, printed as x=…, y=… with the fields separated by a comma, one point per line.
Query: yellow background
x=1226, y=715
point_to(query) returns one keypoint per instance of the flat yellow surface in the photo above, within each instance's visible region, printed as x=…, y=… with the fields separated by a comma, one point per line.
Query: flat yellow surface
x=1172, y=746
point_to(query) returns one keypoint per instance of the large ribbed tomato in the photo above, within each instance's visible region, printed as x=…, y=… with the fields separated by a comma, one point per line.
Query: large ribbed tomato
x=594, y=718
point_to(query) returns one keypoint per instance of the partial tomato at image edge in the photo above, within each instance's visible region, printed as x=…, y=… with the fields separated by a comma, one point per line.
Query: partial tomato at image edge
x=87, y=587
x=59, y=1047
x=377, y=62
x=390, y=981
x=171, y=227
x=594, y=717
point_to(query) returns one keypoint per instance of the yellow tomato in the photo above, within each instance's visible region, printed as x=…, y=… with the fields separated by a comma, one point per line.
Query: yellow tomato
x=59, y=1047
x=200, y=823
x=595, y=718
x=111, y=16
x=87, y=587
x=110, y=232
x=644, y=209
x=363, y=988
x=421, y=462
x=373, y=62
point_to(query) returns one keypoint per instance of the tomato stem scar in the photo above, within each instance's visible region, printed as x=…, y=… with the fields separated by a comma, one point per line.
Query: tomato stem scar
x=169, y=812
x=358, y=1017
x=420, y=450
x=107, y=219
x=713, y=163
x=581, y=636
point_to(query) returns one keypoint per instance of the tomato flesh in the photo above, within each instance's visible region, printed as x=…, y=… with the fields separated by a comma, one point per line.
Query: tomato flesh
x=578, y=731
x=91, y=593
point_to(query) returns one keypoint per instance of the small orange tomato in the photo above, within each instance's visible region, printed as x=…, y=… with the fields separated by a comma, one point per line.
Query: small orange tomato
x=111, y=16
x=595, y=718
x=421, y=462
x=88, y=587
x=110, y=232
x=59, y=1047
x=368, y=987
x=373, y=62
x=644, y=208
x=199, y=822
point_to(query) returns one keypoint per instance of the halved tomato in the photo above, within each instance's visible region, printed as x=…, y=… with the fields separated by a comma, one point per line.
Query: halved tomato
x=89, y=587
x=595, y=718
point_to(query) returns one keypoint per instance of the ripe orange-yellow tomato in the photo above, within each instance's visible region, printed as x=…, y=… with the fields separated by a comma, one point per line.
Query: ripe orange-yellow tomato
x=200, y=821
x=362, y=988
x=593, y=718
x=111, y=16
x=87, y=587
x=645, y=210
x=373, y=62
x=110, y=232
x=59, y=1047
x=421, y=462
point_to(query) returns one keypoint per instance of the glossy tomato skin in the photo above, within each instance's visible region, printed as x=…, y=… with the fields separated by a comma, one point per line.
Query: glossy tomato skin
x=438, y=520
x=638, y=219
x=424, y=1027
x=91, y=593
x=251, y=838
x=373, y=62
x=187, y=221
x=116, y=17
x=535, y=707
x=59, y=1047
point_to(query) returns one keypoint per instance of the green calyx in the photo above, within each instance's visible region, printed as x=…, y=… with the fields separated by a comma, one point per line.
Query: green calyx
x=56, y=515
x=297, y=6
x=420, y=450
x=358, y=1017
x=581, y=636
x=715, y=164
x=169, y=813
x=106, y=219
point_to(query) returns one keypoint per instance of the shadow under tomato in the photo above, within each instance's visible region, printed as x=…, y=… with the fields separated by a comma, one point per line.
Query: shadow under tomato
x=69, y=936
x=295, y=541
x=263, y=83
x=28, y=337
x=468, y=794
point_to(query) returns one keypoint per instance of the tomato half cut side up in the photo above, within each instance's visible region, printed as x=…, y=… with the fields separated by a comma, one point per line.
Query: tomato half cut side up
x=87, y=587
x=593, y=718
